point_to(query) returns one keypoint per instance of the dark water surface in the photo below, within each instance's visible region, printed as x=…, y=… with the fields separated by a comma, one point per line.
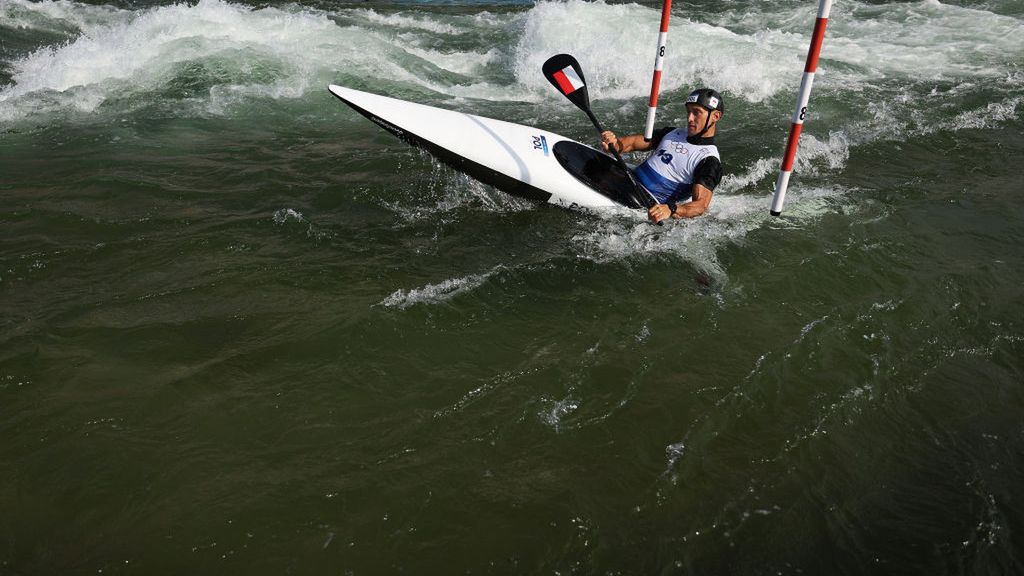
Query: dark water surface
x=245, y=331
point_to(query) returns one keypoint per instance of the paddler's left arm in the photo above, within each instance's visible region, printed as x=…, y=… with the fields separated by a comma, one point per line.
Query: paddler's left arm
x=695, y=207
x=707, y=175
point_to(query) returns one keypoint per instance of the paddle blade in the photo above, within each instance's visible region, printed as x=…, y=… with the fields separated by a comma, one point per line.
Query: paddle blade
x=565, y=74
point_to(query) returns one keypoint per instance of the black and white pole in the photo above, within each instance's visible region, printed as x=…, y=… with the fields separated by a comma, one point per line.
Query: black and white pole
x=659, y=60
x=824, y=6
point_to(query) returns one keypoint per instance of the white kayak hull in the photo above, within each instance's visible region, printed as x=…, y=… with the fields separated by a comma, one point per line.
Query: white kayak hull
x=521, y=160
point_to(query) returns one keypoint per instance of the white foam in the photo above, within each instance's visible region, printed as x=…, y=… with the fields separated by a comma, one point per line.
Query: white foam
x=436, y=293
x=555, y=410
x=694, y=241
x=907, y=114
x=757, y=56
x=755, y=173
x=60, y=16
x=699, y=52
x=458, y=62
x=287, y=217
x=405, y=22
x=730, y=218
x=924, y=40
x=138, y=52
x=989, y=115
x=751, y=55
x=916, y=40
x=285, y=214
x=449, y=191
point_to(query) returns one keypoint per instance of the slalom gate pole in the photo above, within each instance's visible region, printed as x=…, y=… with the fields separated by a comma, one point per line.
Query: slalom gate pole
x=659, y=59
x=824, y=7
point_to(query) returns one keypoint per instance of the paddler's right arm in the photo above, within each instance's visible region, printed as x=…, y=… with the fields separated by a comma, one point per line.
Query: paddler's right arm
x=631, y=143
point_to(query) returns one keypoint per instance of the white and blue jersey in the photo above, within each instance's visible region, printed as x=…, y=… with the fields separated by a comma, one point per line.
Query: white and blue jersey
x=678, y=163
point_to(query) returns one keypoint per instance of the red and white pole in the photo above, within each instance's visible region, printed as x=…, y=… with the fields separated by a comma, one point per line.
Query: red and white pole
x=659, y=59
x=824, y=6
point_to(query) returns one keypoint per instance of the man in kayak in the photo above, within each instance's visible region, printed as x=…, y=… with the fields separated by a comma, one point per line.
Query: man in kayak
x=686, y=168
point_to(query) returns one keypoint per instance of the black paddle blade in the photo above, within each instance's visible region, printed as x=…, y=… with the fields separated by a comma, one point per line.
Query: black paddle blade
x=565, y=74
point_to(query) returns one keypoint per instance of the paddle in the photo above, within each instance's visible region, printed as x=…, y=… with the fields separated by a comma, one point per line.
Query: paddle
x=564, y=73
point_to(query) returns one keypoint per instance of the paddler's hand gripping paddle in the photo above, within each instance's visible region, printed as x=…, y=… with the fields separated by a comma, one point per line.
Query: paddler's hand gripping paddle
x=564, y=73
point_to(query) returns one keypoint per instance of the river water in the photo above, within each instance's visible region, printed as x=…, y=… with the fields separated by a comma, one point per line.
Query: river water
x=245, y=331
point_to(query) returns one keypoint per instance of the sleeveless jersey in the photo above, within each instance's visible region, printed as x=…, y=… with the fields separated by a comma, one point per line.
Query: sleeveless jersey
x=671, y=168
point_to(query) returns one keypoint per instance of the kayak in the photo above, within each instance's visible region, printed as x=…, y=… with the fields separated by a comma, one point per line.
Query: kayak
x=520, y=160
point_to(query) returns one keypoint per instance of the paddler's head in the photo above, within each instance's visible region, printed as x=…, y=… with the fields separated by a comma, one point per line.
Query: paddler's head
x=704, y=107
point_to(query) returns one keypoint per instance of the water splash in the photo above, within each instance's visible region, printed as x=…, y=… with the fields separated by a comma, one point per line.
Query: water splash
x=437, y=293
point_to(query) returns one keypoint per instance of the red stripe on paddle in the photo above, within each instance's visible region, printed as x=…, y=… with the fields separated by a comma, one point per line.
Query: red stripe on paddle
x=563, y=83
